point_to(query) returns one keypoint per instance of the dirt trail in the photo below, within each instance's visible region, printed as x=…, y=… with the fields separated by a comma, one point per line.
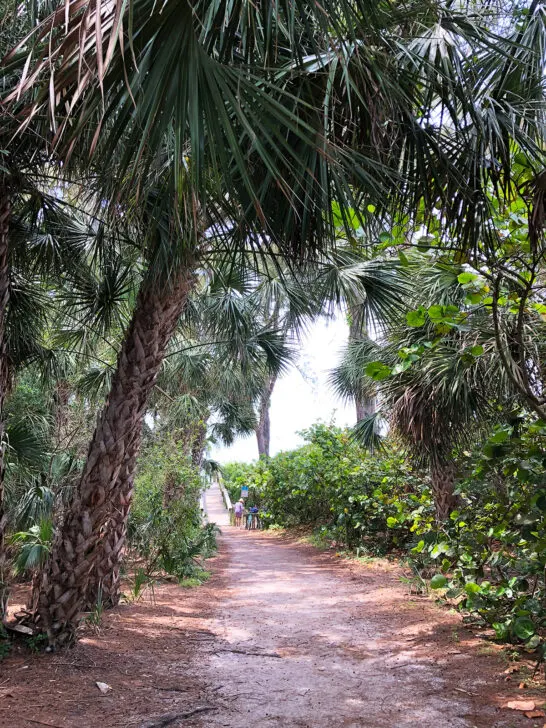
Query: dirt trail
x=306, y=641
x=281, y=635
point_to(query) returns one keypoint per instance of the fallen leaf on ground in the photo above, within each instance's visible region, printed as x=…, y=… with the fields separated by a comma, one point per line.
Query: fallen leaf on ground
x=520, y=705
x=105, y=688
x=522, y=685
x=535, y=714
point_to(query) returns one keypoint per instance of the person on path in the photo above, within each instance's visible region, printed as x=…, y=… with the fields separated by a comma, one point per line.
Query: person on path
x=238, y=509
x=252, y=522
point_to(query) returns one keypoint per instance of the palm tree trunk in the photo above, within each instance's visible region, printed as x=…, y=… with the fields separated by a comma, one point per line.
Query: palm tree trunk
x=443, y=487
x=198, y=443
x=104, y=579
x=107, y=477
x=365, y=406
x=263, y=430
x=5, y=214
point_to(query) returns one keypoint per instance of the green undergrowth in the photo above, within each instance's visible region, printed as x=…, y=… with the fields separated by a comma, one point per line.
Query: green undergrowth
x=165, y=528
x=197, y=580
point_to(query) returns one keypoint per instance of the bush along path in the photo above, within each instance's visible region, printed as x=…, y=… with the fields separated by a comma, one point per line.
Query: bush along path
x=281, y=635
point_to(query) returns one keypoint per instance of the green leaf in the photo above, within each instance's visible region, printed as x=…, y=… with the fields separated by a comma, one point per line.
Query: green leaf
x=500, y=436
x=472, y=588
x=476, y=350
x=436, y=313
x=502, y=630
x=419, y=548
x=416, y=318
x=465, y=278
x=439, y=549
x=523, y=628
x=391, y=522
x=533, y=643
x=438, y=581
x=378, y=371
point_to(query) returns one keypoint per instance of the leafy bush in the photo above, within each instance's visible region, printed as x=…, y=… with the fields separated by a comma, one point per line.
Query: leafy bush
x=491, y=556
x=165, y=528
x=364, y=500
x=251, y=475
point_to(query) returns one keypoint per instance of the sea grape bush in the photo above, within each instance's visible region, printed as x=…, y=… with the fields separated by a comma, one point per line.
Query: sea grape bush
x=365, y=500
x=251, y=475
x=489, y=558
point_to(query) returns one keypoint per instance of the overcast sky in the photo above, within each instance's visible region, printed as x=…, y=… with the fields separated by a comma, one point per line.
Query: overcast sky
x=302, y=396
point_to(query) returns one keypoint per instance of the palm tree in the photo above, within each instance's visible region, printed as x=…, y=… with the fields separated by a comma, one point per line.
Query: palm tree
x=288, y=298
x=213, y=368
x=371, y=290
x=48, y=253
x=435, y=392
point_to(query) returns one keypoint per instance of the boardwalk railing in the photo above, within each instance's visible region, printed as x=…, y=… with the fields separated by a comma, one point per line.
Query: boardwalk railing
x=225, y=495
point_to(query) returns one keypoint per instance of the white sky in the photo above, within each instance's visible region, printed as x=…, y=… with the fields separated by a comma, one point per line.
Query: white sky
x=302, y=396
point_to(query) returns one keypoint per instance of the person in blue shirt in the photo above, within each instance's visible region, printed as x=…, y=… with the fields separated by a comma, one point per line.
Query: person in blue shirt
x=252, y=521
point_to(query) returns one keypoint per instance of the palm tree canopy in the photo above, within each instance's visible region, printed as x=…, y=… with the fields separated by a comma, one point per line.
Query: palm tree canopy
x=408, y=107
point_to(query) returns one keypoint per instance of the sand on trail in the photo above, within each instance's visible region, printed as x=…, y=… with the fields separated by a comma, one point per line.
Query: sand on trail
x=281, y=635
x=305, y=640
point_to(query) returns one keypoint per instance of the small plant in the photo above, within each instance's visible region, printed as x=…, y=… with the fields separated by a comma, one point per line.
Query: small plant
x=141, y=582
x=415, y=583
x=36, y=643
x=196, y=580
x=5, y=643
x=94, y=618
x=34, y=546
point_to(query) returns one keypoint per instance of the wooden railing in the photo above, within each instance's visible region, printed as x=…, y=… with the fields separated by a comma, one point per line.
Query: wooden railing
x=225, y=495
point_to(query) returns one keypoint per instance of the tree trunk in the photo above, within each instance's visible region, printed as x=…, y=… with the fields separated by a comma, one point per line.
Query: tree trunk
x=5, y=214
x=443, y=487
x=105, y=577
x=365, y=406
x=105, y=487
x=198, y=443
x=104, y=580
x=263, y=430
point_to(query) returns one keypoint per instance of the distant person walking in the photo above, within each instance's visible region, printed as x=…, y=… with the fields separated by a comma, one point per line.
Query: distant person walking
x=239, y=509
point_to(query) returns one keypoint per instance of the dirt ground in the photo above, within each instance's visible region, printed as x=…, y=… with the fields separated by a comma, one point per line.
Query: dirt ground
x=281, y=635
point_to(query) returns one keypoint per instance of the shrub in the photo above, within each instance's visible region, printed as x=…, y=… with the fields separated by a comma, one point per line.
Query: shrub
x=492, y=553
x=165, y=526
x=251, y=475
x=364, y=500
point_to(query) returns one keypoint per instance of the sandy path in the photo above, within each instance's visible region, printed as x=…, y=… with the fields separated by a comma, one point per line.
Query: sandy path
x=281, y=635
x=305, y=641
